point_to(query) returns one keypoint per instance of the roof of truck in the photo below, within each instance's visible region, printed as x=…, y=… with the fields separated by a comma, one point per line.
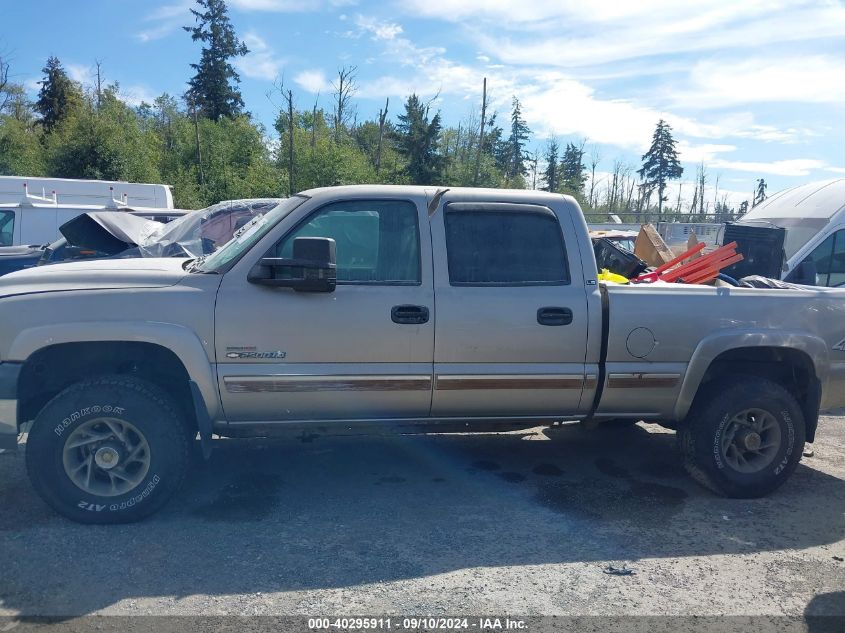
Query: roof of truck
x=430, y=190
x=822, y=199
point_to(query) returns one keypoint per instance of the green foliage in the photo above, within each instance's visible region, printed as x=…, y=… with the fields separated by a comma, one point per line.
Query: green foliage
x=416, y=139
x=59, y=97
x=211, y=89
x=551, y=173
x=21, y=151
x=660, y=162
x=514, y=149
x=572, y=172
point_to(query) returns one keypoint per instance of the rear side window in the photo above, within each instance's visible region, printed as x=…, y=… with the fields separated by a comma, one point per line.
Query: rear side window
x=377, y=240
x=504, y=248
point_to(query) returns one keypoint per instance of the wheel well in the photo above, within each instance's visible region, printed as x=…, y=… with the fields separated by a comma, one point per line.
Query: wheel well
x=790, y=368
x=51, y=369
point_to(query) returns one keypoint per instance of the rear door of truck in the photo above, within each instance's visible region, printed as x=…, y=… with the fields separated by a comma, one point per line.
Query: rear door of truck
x=511, y=309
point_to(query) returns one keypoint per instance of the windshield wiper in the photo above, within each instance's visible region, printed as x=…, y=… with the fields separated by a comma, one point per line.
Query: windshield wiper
x=194, y=264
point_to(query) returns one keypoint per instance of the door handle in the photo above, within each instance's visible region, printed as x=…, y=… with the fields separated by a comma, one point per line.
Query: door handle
x=554, y=316
x=411, y=315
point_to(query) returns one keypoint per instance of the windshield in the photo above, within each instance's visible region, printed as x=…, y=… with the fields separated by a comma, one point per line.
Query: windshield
x=248, y=235
x=799, y=231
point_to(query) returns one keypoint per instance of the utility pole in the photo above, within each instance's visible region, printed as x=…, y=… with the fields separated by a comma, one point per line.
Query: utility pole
x=481, y=131
x=99, y=84
x=291, y=178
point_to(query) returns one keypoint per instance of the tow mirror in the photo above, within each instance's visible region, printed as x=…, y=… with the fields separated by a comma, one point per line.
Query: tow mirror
x=313, y=267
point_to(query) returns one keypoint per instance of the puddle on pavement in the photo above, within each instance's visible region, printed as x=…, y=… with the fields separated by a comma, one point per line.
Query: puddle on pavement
x=250, y=497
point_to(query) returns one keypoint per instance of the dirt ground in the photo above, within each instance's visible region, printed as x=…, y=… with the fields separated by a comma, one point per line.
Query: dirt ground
x=520, y=523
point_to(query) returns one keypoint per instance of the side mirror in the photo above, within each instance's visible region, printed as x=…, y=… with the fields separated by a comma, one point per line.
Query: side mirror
x=313, y=267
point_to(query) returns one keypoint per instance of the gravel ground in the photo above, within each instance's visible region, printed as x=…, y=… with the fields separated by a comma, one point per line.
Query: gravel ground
x=520, y=523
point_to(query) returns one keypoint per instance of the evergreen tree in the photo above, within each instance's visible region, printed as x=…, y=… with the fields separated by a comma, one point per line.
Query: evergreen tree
x=660, y=163
x=572, y=171
x=550, y=175
x=743, y=208
x=58, y=96
x=416, y=140
x=211, y=90
x=515, y=149
x=759, y=193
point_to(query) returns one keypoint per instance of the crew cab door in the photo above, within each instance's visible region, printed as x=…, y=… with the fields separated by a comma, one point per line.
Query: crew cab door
x=511, y=331
x=364, y=351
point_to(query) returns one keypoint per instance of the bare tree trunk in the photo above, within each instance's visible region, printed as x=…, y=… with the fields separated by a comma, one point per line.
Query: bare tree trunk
x=291, y=176
x=99, y=84
x=199, y=150
x=595, y=158
x=480, y=132
x=344, y=89
x=314, y=127
x=382, y=118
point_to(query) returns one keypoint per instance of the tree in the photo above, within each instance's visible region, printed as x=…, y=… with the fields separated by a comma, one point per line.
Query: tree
x=211, y=89
x=58, y=96
x=344, y=90
x=416, y=140
x=515, y=145
x=759, y=193
x=572, y=172
x=660, y=163
x=550, y=176
x=743, y=208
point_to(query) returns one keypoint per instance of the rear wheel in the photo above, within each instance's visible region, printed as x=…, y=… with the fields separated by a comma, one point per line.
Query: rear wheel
x=743, y=437
x=108, y=450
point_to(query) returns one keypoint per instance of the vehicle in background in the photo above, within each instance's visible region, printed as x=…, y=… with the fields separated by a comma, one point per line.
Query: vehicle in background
x=14, y=258
x=198, y=233
x=814, y=218
x=36, y=219
x=624, y=239
x=71, y=191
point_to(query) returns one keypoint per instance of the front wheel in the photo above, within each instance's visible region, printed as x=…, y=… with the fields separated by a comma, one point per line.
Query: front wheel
x=743, y=437
x=107, y=450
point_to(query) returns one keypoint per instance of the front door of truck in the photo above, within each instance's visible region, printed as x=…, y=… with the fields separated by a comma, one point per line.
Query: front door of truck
x=511, y=332
x=364, y=351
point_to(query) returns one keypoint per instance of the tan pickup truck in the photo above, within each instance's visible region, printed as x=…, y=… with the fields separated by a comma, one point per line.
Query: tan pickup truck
x=373, y=305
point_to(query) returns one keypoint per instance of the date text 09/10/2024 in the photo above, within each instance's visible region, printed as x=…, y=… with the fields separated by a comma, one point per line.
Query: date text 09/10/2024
x=417, y=623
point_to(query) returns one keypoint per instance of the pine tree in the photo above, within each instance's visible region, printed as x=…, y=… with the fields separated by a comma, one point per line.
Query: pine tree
x=550, y=175
x=660, y=163
x=572, y=171
x=211, y=90
x=416, y=139
x=58, y=95
x=516, y=142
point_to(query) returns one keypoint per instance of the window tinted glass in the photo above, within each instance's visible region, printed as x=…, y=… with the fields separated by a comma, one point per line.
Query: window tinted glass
x=7, y=228
x=377, y=241
x=504, y=248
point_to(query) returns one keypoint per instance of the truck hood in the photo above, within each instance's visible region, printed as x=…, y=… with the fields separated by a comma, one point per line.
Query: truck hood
x=101, y=274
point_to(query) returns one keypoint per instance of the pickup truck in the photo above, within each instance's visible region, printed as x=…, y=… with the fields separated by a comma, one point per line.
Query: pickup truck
x=396, y=305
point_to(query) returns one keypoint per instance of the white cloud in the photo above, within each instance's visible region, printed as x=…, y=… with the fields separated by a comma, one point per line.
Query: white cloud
x=313, y=81
x=261, y=62
x=168, y=18
x=80, y=73
x=804, y=79
x=789, y=167
x=278, y=6
x=135, y=95
x=378, y=29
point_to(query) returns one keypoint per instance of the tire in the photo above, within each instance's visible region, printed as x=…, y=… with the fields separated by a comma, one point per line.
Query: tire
x=728, y=420
x=132, y=456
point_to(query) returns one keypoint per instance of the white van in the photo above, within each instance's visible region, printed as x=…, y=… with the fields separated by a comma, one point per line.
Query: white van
x=814, y=218
x=30, y=217
x=96, y=192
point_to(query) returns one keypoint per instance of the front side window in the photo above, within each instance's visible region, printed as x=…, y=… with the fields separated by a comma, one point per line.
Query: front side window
x=504, y=248
x=377, y=240
x=829, y=259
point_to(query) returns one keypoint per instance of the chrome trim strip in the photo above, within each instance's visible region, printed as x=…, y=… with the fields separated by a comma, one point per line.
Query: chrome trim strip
x=397, y=421
x=288, y=383
x=510, y=381
x=639, y=380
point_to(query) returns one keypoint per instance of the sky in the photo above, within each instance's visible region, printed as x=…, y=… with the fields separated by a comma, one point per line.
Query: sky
x=754, y=89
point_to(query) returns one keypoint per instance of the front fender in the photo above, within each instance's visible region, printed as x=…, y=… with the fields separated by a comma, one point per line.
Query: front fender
x=710, y=347
x=182, y=341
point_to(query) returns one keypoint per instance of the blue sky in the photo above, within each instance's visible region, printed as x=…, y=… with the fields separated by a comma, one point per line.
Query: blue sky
x=753, y=88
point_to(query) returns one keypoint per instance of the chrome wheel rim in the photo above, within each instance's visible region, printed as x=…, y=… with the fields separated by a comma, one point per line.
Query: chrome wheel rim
x=751, y=440
x=107, y=457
